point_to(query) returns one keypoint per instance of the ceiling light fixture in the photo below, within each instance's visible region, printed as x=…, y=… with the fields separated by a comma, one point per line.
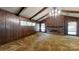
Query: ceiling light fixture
x=54, y=12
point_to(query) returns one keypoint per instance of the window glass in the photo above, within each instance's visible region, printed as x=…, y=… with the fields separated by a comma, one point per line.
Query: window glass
x=72, y=28
x=37, y=26
x=33, y=24
x=23, y=23
x=43, y=27
x=29, y=24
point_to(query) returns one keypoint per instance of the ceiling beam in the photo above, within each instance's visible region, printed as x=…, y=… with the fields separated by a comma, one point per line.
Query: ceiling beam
x=43, y=16
x=71, y=16
x=69, y=11
x=22, y=8
x=38, y=12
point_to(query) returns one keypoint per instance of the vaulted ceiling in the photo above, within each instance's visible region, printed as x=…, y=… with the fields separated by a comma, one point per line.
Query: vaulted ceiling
x=40, y=13
x=70, y=11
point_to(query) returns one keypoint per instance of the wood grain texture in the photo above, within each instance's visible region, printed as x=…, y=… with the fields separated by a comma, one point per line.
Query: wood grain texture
x=43, y=42
x=10, y=28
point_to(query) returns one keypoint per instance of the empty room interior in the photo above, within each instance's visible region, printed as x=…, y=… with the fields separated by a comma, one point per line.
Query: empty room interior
x=39, y=28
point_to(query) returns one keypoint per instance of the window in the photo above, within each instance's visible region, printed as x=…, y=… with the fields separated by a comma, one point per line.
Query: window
x=23, y=23
x=26, y=23
x=33, y=24
x=29, y=23
x=72, y=28
x=42, y=27
x=37, y=27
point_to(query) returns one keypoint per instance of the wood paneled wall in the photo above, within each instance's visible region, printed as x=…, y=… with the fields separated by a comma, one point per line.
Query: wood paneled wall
x=10, y=28
x=54, y=23
x=60, y=23
x=69, y=19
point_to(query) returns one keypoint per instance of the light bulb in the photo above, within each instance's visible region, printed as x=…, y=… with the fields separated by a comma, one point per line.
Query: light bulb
x=50, y=14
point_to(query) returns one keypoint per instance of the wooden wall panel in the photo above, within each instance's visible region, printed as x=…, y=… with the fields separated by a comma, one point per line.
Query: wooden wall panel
x=60, y=21
x=54, y=21
x=10, y=28
x=78, y=27
x=69, y=19
x=55, y=24
x=2, y=27
x=26, y=30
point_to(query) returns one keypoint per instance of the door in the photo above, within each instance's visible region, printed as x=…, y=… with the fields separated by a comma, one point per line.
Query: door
x=43, y=27
x=72, y=28
x=37, y=27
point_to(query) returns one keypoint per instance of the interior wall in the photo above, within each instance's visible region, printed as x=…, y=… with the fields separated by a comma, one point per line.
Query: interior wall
x=60, y=24
x=69, y=19
x=54, y=24
x=10, y=28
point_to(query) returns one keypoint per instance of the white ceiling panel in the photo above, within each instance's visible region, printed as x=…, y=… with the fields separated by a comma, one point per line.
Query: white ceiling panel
x=70, y=14
x=70, y=8
x=11, y=9
x=42, y=14
x=30, y=11
x=43, y=18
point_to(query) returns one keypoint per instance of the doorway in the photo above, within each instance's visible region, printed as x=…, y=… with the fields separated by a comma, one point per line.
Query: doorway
x=43, y=27
x=72, y=28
